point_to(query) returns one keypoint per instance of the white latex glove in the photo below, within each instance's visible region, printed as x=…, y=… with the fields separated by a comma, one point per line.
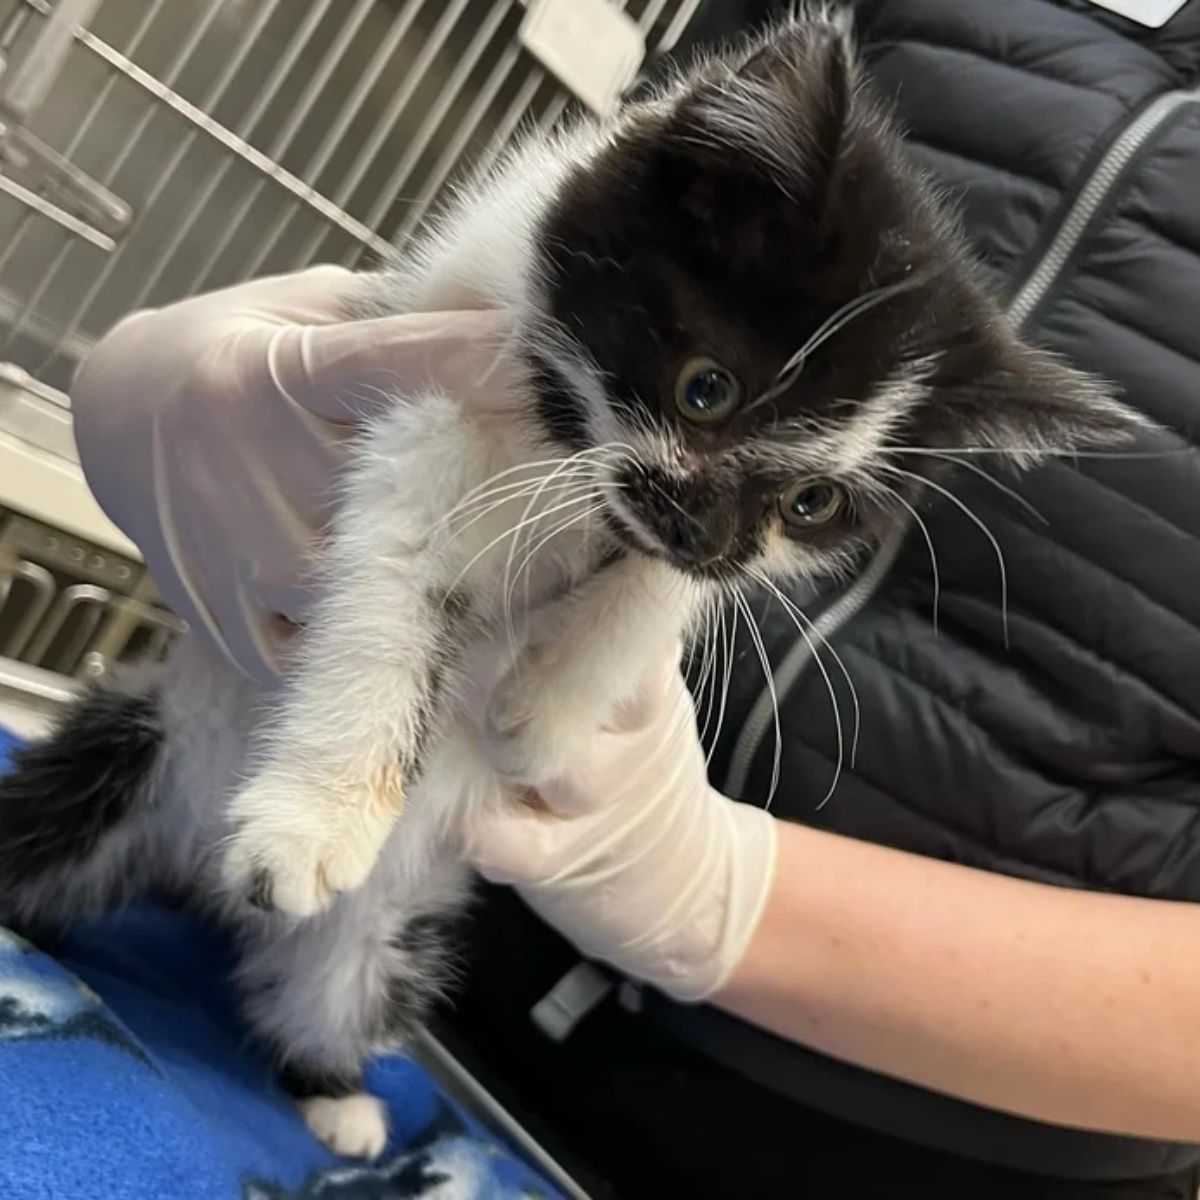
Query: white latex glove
x=635, y=858
x=211, y=432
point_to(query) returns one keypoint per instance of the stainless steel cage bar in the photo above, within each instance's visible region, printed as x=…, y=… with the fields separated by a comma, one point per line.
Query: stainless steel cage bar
x=151, y=148
x=314, y=128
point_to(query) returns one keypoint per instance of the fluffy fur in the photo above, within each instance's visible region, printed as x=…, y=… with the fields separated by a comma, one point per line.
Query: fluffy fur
x=752, y=230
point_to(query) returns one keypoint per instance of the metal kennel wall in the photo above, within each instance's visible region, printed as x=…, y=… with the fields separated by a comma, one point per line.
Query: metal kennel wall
x=150, y=149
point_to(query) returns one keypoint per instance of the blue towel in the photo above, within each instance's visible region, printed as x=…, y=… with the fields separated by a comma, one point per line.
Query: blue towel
x=125, y=1075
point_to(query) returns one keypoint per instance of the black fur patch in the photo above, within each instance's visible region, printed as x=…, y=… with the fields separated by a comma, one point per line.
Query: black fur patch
x=454, y=602
x=428, y=943
x=452, y=610
x=261, y=892
x=302, y=1082
x=426, y=935
x=407, y=1004
x=615, y=551
x=67, y=792
x=424, y=720
x=560, y=410
x=726, y=223
x=676, y=243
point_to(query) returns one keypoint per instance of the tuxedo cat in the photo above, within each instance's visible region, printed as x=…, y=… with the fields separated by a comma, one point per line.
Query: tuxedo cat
x=745, y=333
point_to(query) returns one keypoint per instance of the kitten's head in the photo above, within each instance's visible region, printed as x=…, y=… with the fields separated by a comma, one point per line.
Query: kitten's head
x=762, y=308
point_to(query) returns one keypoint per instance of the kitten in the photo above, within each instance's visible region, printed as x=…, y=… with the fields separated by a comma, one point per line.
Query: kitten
x=735, y=307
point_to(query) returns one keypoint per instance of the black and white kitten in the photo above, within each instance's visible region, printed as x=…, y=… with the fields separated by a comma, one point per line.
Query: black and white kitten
x=735, y=307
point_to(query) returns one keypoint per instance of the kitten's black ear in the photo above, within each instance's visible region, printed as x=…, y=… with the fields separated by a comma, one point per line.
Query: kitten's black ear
x=1031, y=404
x=784, y=104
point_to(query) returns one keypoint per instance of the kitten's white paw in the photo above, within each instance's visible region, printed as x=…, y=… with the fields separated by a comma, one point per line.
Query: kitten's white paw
x=296, y=846
x=534, y=732
x=355, y=1126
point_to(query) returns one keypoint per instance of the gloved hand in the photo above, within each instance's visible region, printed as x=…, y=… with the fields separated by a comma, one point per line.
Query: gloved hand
x=634, y=857
x=211, y=432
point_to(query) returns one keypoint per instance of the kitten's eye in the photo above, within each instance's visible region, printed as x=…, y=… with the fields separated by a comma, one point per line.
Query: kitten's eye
x=706, y=393
x=811, y=503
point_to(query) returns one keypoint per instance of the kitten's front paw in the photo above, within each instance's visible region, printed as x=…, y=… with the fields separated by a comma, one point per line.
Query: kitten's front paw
x=296, y=846
x=535, y=734
x=354, y=1126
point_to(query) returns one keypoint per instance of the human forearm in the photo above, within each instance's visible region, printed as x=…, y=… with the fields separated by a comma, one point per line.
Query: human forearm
x=1071, y=1007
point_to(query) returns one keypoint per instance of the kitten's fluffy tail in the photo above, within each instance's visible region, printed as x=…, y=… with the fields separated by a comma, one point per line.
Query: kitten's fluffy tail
x=74, y=811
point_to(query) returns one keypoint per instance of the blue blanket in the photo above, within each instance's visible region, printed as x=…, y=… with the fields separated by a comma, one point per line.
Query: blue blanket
x=124, y=1075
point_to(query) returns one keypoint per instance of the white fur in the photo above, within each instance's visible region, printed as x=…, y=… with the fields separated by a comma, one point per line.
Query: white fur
x=311, y=816
x=355, y=1125
x=864, y=439
x=300, y=788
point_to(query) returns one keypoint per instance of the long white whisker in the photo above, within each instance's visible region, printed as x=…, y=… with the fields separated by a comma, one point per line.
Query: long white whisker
x=561, y=485
x=529, y=520
x=489, y=485
x=835, y=321
x=1012, y=493
x=585, y=494
x=815, y=630
x=708, y=671
x=560, y=527
x=535, y=466
x=619, y=450
x=506, y=590
x=727, y=649
x=511, y=532
x=832, y=325
x=840, y=319
x=933, y=559
x=991, y=537
x=801, y=620
x=471, y=503
x=698, y=654
x=744, y=608
x=505, y=492
x=582, y=460
x=1040, y=451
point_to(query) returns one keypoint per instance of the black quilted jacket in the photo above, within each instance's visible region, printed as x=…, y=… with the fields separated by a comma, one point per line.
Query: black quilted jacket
x=1071, y=754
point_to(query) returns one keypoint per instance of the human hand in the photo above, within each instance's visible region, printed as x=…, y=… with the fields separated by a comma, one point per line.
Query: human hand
x=633, y=856
x=212, y=431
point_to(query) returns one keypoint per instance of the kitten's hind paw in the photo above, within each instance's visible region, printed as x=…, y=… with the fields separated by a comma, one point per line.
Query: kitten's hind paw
x=355, y=1126
x=297, y=845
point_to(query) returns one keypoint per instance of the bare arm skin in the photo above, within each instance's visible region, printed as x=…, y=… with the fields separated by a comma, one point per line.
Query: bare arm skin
x=1075, y=1008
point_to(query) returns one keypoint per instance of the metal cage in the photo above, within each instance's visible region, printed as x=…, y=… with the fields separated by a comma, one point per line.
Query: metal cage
x=151, y=149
